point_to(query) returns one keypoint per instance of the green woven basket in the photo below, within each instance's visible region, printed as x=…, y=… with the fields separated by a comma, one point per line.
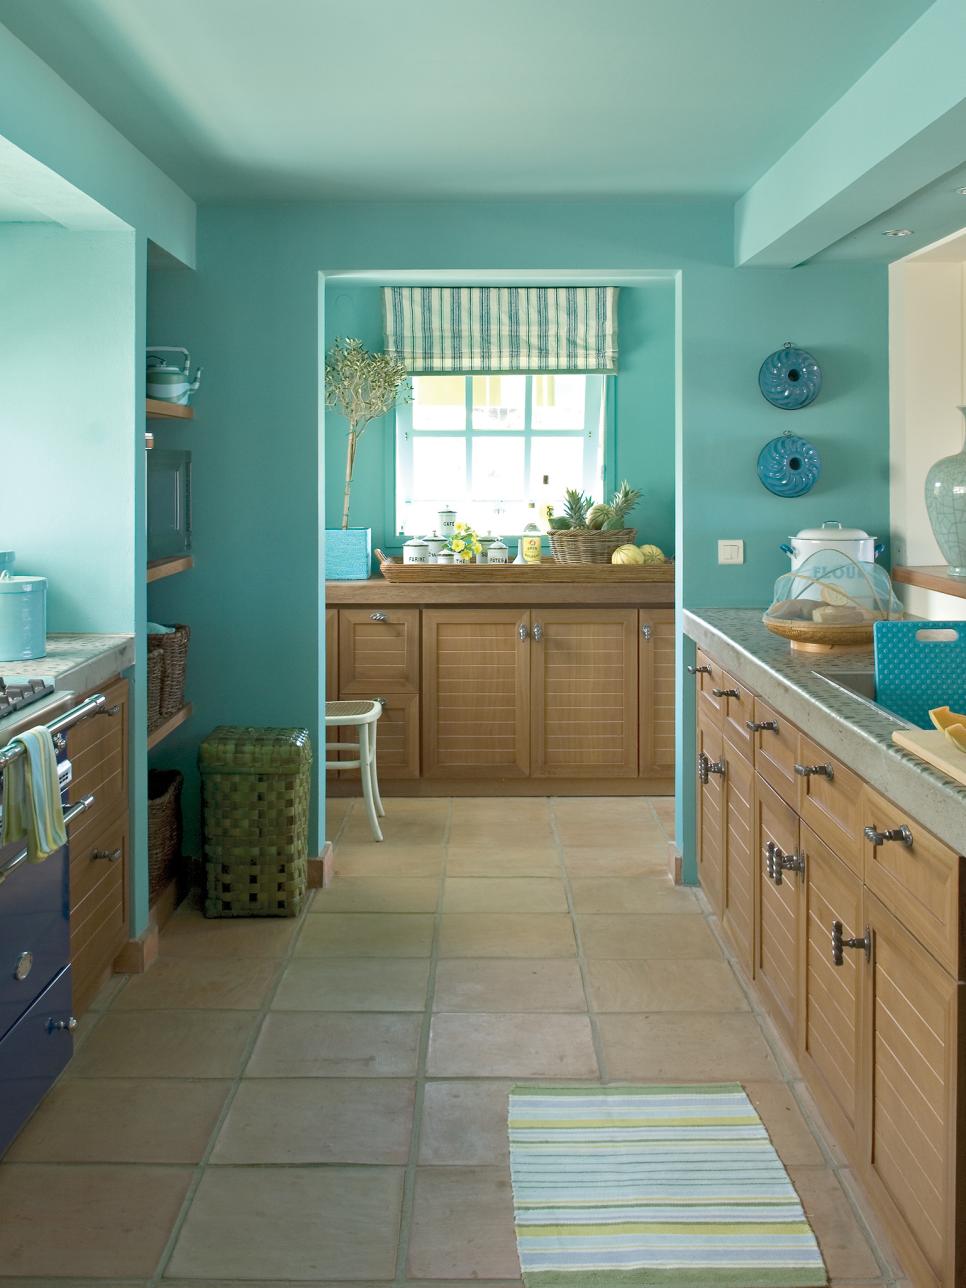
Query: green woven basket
x=255, y=787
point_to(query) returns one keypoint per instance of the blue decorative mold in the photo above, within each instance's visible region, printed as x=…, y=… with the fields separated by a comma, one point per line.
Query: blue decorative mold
x=789, y=465
x=790, y=378
x=348, y=554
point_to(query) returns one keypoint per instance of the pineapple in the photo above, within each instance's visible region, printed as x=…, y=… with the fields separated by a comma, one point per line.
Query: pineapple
x=625, y=499
x=575, y=508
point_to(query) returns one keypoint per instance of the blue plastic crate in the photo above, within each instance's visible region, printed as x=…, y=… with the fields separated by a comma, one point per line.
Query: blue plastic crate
x=348, y=554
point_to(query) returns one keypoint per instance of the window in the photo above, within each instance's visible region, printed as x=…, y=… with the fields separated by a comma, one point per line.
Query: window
x=490, y=445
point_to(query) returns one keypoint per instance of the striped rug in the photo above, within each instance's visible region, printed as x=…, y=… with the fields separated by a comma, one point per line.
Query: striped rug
x=663, y=1187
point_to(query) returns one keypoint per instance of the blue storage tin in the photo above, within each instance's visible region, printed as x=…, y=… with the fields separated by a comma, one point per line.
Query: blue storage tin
x=348, y=554
x=23, y=618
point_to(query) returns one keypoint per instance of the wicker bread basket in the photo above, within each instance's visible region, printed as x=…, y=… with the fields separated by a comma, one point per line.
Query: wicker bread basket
x=587, y=545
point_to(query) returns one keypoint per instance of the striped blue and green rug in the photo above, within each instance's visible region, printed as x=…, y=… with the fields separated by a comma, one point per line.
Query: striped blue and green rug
x=663, y=1187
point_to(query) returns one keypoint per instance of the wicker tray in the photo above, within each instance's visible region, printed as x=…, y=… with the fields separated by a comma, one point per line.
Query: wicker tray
x=548, y=570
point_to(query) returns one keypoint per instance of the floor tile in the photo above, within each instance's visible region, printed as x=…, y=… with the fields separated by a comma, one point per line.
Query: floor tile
x=608, y=834
x=298, y=1223
x=510, y=1046
x=353, y=984
x=115, y=1120
x=366, y=934
x=378, y=894
x=655, y=894
x=166, y=1044
x=500, y=934
x=189, y=934
x=499, y=833
x=659, y=985
x=358, y=860
x=603, y=810
x=786, y=1126
x=582, y=861
x=522, y=811
x=180, y=983
x=96, y=1221
x=504, y=894
x=492, y=984
x=844, y=1246
x=532, y=860
x=642, y=935
x=685, y=1048
x=328, y=1120
x=463, y=1224
x=465, y=1123
x=407, y=822
x=325, y=1044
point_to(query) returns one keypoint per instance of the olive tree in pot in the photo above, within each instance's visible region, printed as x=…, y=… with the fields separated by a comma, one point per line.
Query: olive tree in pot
x=363, y=386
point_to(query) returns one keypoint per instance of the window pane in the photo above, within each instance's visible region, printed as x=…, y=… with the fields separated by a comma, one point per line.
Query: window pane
x=497, y=468
x=499, y=402
x=558, y=402
x=439, y=402
x=439, y=469
x=561, y=462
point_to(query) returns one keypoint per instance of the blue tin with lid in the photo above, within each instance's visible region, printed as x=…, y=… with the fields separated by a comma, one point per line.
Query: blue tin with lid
x=23, y=618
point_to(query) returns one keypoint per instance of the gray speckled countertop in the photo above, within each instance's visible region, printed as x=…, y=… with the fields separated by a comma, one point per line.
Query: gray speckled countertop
x=855, y=732
x=75, y=664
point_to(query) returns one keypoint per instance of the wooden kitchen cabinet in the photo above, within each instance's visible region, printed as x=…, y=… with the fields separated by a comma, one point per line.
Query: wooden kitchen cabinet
x=775, y=747
x=779, y=907
x=583, y=692
x=476, y=693
x=830, y=800
x=657, y=670
x=378, y=651
x=740, y=867
x=711, y=808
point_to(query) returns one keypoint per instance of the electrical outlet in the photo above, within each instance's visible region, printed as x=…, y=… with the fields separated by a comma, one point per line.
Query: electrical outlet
x=731, y=552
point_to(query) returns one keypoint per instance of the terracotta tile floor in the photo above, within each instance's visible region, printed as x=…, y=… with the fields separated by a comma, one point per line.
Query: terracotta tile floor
x=325, y=1101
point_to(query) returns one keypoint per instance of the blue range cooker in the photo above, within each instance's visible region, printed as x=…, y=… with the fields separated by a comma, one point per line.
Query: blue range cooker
x=36, y=1024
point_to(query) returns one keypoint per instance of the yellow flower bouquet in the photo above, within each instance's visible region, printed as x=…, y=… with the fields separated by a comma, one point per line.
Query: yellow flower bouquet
x=464, y=543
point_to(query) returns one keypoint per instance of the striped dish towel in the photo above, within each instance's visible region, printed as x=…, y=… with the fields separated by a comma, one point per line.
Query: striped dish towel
x=657, y=1186
x=31, y=797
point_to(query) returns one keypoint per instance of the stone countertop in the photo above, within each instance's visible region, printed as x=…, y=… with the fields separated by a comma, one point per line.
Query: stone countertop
x=855, y=732
x=75, y=664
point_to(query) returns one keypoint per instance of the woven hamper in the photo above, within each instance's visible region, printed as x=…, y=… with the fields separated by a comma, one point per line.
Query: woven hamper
x=155, y=670
x=255, y=788
x=164, y=828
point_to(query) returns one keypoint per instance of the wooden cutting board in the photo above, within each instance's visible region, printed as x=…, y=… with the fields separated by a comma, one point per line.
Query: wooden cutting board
x=934, y=747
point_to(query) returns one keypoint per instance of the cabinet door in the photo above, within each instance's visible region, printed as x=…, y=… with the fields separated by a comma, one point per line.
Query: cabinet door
x=657, y=671
x=476, y=693
x=740, y=869
x=583, y=692
x=831, y=994
x=711, y=809
x=830, y=801
x=779, y=908
x=776, y=752
x=331, y=654
x=737, y=715
x=914, y=1012
x=397, y=739
x=378, y=651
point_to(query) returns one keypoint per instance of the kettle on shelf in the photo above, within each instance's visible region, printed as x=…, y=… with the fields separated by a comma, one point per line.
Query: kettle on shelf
x=168, y=382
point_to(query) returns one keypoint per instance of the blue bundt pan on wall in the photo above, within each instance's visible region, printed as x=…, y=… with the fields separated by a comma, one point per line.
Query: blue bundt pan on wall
x=789, y=465
x=790, y=378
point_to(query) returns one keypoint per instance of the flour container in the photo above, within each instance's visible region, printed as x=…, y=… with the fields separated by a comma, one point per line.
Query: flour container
x=23, y=618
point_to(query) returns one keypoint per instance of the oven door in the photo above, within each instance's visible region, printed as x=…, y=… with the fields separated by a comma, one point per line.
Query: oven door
x=34, y=931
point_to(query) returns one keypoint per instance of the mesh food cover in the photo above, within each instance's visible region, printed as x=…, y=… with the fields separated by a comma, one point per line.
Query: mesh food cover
x=831, y=589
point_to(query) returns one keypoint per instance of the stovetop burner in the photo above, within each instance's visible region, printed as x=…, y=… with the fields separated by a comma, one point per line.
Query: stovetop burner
x=16, y=694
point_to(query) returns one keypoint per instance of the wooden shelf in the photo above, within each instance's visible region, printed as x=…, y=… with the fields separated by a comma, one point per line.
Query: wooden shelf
x=932, y=577
x=159, y=568
x=156, y=409
x=169, y=726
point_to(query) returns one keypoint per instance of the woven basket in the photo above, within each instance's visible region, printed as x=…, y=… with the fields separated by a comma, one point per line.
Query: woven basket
x=174, y=649
x=255, y=785
x=586, y=545
x=155, y=670
x=164, y=828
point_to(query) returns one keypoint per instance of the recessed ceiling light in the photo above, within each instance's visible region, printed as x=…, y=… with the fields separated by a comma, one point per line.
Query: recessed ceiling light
x=897, y=232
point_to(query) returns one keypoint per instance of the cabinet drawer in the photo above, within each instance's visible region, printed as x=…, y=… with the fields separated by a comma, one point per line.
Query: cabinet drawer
x=776, y=751
x=33, y=1055
x=711, y=810
x=710, y=677
x=779, y=909
x=98, y=752
x=830, y=801
x=378, y=651
x=738, y=714
x=915, y=876
x=93, y=855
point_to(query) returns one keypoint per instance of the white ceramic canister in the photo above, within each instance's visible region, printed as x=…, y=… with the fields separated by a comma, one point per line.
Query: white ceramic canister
x=415, y=551
x=855, y=543
x=446, y=557
x=435, y=545
x=485, y=543
x=447, y=523
x=498, y=552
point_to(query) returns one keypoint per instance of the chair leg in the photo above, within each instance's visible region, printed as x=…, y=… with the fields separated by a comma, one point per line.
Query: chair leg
x=372, y=771
x=364, y=769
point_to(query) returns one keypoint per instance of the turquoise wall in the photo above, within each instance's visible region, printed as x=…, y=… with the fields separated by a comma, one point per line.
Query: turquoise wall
x=250, y=314
x=641, y=442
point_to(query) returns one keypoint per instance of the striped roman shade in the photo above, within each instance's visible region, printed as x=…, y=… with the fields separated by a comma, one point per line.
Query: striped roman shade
x=476, y=329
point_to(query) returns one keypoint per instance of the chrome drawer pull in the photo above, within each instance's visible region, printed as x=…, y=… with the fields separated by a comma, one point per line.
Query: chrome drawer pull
x=839, y=943
x=900, y=834
x=726, y=693
x=377, y=617
x=782, y=862
x=820, y=771
x=112, y=856
x=25, y=964
x=759, y=726
x=62, y=1026
x=538, y=632
x=646, y=632
x=523, y=632
x=769, y=853
x=699, y=670
x=112, y=711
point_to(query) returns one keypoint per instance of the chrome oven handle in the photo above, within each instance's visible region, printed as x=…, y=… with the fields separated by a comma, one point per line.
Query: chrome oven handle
x=70, y=813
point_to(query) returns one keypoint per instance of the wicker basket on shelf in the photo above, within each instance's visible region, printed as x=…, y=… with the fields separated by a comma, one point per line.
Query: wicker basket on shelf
x=587, y=545
x=155, y=671
x=174, y=649
x=164, y=828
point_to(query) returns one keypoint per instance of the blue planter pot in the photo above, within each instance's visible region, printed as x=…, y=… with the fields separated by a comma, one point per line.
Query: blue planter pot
x=348, y=554
x=946, y=507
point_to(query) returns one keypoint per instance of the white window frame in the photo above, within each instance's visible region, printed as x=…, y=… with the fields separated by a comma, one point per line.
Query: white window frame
x=592, y=432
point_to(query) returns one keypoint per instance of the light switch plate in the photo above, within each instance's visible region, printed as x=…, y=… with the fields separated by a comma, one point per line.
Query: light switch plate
x=731, y=552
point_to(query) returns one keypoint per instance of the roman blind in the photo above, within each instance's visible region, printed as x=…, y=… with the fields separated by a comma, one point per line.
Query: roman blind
x=478, y=329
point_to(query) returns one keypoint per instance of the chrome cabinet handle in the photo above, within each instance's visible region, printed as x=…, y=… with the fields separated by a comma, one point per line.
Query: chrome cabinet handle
x=523, y=632
x=726, y=693
x=759, y=726
x=782, y=863
x=112, y=711
x=821, y=771
x=646, y=632
x=900, y=834
x=707, y=767
x=62, y=1026
x=699, y=670
x=769, y=852
x=377, y=617
x=112, y=856
x=839, y=943
x=538, y=632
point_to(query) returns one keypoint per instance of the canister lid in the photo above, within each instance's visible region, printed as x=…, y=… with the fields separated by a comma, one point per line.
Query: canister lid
x=832, y=531
x=22, y=585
